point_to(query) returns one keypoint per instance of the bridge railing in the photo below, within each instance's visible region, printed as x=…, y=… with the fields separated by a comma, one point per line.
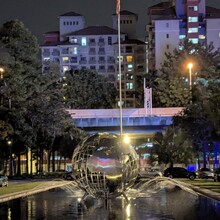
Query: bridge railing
x=114, y=113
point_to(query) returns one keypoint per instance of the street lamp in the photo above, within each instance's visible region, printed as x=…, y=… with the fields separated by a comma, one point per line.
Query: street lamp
x=190, y=66
x=1, y=71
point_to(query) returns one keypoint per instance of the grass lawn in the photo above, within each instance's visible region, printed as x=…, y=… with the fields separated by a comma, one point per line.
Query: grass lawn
x=12, y=188
x=204, y=183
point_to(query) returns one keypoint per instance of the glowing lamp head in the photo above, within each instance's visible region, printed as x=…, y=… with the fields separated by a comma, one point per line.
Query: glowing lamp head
x=190, y=65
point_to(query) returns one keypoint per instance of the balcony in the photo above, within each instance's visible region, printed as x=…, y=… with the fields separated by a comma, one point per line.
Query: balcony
x=101, y=61
x=56, y=53
x=92, y=61
x=83, y=62
x=92, y=43
x=101, y=43
x=92, y=52
x=101, y=52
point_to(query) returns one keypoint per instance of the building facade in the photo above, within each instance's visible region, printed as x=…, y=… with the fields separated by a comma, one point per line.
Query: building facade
x=173, y=21
x=75, y=47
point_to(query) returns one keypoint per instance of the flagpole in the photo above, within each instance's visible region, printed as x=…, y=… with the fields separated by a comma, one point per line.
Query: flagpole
x=119, y=63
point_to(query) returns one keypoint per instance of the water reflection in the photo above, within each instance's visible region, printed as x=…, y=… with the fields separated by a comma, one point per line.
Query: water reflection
x=163, y=203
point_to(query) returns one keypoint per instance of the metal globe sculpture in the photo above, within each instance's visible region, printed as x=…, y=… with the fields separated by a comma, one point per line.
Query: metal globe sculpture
x=104, y=165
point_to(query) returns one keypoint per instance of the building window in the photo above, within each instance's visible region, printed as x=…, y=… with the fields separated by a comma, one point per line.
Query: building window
x=194, y=40
x=64, y=23
x=129, y=59
x=182, y=37
x=101, y=67
x=109, y=40
x=129, y=86
x=192, y=30
x=73, y=50
x=128, y=49
x=193, y=8
x=65, y=68
x=167, y=35
x=65, y=59
x=192, y=19
x=168, y=46
x=201, y=37
x=84, y=41
x=129, y=76
x=73, y=40
x=92, y=68
x=73, y=59
x=167, y=25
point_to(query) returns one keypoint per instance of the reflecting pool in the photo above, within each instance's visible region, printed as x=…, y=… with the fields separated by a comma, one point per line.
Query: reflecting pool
x=145, y=202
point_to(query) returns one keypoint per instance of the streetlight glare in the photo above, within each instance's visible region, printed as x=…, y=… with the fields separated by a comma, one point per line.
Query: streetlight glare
x=1, y=71
x=190, y=65
x=126, y=139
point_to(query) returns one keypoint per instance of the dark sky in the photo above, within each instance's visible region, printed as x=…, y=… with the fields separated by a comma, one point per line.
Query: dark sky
x=40, y=16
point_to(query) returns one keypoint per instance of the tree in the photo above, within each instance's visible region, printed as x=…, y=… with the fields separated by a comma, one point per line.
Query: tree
x=32, y=102
x=16, y=86
x=171, y=86
x=88, y=90
x=173, y=146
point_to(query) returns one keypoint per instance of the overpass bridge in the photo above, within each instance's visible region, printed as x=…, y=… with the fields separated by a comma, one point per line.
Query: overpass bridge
x=136, y=121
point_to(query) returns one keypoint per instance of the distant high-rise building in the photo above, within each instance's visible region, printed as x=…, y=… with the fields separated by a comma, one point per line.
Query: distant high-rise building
x=175, y=20
x=76, y=47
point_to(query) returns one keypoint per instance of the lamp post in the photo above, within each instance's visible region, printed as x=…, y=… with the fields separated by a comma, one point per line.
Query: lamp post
x=190, y=66
x=1, y=71
x=1, y=77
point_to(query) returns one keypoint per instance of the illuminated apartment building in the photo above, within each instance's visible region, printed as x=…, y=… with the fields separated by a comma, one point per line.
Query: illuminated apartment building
x=95, y=48
x=173, y=21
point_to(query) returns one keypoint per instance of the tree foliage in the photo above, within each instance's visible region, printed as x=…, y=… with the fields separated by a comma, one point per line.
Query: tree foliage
x=88, y=90
x=31, y=102
x=172, y=146
x=171, y=86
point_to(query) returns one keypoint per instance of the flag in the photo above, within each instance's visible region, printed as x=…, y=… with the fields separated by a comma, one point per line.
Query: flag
x=117, y=7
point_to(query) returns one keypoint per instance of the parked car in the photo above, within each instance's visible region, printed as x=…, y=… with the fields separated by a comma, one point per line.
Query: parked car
x=68, y=176
x=205, y=173
x=3, y=180
x=179, y=172
x=150, y=173
x=217, y=175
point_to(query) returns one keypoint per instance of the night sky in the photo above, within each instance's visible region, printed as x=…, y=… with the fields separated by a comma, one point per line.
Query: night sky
x=40, y=16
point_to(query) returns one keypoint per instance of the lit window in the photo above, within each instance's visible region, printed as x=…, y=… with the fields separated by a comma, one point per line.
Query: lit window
x=182, y=37
x=65, y=59
x=192, y=19
x=83, y=41
x=73, y=50
x=201, y=36
x=129, y=59
x=130, y=66
x=129, y=86
x=192, y=30
x=73, y=40
x=46, y=59
x=194, y=40
x=193, y=8
x=65, y=68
